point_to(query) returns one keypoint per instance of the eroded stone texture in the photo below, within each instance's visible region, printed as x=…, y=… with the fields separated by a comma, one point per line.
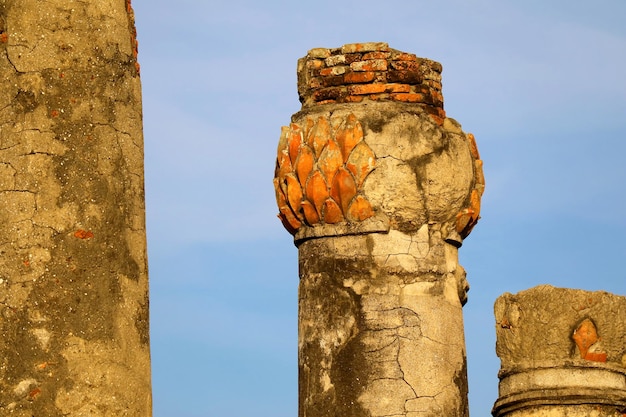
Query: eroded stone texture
x=379, y=190
x=73, y=275
x=562, y=353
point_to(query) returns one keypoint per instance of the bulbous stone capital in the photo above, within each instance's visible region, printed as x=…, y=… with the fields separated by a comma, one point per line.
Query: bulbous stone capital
x=373, y=160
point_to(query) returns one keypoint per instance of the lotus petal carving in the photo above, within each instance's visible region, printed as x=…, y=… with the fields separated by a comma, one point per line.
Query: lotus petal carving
x=361, y=162
x=343, y=188
x=360, y=209
x=320, y=171
x=304, y=164
x=348, y=135
x=317, y=191
x=467, y=218
x=332, y=212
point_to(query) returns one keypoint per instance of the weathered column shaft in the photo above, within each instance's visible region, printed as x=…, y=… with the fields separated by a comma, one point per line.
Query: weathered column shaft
x=73, y=272
x=562, y=353
x=379, y=188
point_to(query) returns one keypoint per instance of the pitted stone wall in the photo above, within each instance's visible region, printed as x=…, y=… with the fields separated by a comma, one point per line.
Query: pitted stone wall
x=73, y=272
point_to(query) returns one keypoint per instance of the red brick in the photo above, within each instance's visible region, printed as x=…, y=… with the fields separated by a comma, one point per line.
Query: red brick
x=331, y=61
x=338, y=70
x=350, y=58
x=405, y=65
x=435, y=111
x=353, y=99
x=359, y=77
x=435, y=66
x=360, y=89
x=408, y=97
x=364, y=47
x=397, y=88
x=371, y=65
x=431, y=75
x=420, y=88
x=376, y=55
x=319, y=53
x=332, y=80
x=315, y=63
x=437, y=98
x=403, y=56
x=404, y=77
x=315, y=83
x=379, y=97
x=437, y=119
x=433, y=84
x=331, y=93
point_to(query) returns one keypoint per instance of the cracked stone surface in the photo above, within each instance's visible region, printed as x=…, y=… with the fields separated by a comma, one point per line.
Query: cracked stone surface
x=73, y=272
x=381, y=327
x=381, y=295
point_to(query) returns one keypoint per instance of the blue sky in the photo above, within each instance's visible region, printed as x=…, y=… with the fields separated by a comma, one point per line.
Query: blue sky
x=540, y=84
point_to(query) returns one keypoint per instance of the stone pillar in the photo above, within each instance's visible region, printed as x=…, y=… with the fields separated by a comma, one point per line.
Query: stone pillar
x=73, y=273
x=378, y=188
x=562, y=352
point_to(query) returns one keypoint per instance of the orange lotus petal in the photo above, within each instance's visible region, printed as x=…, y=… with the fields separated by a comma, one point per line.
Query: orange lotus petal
x=283, y=165
x=472, y=144
x=468, y=217
x=287, y=216
x=463, y=221
x=361, y=162
x=585, y=335
x=360, y=209
x=310, y=213
x=330, y=160
x=348, y=135
x=280, y=195
x=290, y=222
x=294, y=193
x=475, y=204
x=343, y=188
x=596, y=356
x=295, y=140
x=332, y=212
x=479, y=176
x=83, y=234
x=318, y=136
x=283, y=142
x=317, y=190
x=308, y=125
x=304, y=164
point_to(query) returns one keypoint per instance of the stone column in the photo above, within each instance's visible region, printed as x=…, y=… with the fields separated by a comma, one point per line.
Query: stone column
x=378, y=188
x=562, y=352
x=73, y=274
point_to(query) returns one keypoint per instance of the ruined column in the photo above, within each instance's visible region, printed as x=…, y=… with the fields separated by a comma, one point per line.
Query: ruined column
x=562, y=353
x=379, y=188
x=73, y=273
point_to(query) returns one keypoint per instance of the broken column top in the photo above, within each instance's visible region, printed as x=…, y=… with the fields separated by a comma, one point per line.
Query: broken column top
x=544, y=325
x=372, y=71
x=560, y=346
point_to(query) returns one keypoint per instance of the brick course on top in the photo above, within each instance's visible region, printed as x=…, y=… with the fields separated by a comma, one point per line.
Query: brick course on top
x=369, y=71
